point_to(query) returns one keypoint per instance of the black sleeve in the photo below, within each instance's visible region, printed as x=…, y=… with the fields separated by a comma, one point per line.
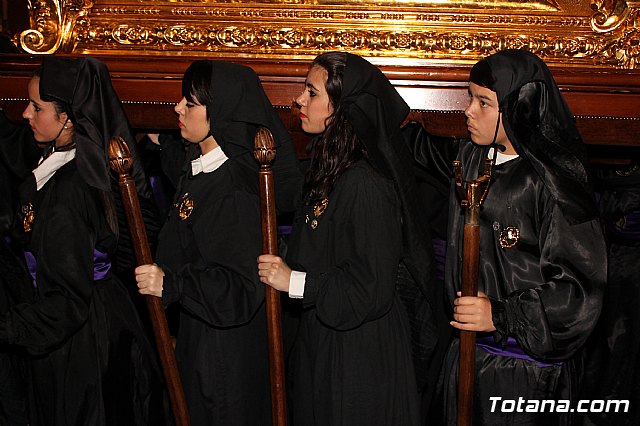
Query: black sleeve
x=433, y=155
x=64, y=278
x=222, y=287
x=368, y=246
x=552, y=321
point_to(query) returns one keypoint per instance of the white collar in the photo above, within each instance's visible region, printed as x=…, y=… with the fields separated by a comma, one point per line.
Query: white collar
x=500, y=157
x=50, y=165
x=209, y=162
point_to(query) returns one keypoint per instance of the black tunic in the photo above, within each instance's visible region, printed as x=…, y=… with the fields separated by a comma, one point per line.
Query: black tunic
x=90, y=362
x=351, y=362
x=546, y=291
x=209, y=259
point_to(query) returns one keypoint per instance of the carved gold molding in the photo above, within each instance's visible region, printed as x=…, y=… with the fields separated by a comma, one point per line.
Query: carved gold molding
x=602, y=33
x=53, y=25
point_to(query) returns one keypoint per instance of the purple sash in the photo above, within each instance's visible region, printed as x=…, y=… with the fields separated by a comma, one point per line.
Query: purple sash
x=101, y=265
x=284, y=230
x=440, y=254
x=512, y=350
x=630, y=232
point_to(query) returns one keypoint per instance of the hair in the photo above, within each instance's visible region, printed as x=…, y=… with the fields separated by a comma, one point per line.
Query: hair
x=482, y=75
x=196, y=83
x=338, y=147
x=59, y=106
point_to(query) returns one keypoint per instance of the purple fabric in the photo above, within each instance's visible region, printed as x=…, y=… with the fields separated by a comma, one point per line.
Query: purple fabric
x=159, y=193
x=511, y=350
x=284, y=230
x=633, y=224
x=439, y=253
x=630, y=230
x=31, y=265
x=101, y=265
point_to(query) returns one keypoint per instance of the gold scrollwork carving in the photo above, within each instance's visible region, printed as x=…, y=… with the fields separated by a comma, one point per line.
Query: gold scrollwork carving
x=625, y=51
x=609, y=15
x=53, y=25
x=600, y=32
x=617, y=21
x=417, y=44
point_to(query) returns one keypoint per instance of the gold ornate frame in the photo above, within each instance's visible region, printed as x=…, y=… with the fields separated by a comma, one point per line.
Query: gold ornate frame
x=592, y=33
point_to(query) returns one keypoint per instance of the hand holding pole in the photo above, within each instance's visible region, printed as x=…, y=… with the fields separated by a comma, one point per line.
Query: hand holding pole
x=472, y=195
x=264, y=152
x=121, y=161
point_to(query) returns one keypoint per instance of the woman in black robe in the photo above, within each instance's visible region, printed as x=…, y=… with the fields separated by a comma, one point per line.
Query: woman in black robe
x=542, y=265
x=356, y=237
x=90, y=362
x=208, y=247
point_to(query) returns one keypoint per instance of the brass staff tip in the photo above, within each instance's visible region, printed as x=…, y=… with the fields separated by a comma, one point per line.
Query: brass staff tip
x=264, y=147
x=120, y=158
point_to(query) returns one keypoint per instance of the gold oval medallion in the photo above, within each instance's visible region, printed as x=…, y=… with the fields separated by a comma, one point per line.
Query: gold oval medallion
x=509, y=237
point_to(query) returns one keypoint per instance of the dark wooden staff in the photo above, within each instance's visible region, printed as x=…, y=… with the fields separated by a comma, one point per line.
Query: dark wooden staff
x=264, y=153
x=121, y=162
x=472, y=195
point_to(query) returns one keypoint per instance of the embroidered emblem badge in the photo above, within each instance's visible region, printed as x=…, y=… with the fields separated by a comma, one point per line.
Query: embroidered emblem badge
x=509, y=237
x=318, y=210
x=28, y=216
x=186, y=207
x=320, y=207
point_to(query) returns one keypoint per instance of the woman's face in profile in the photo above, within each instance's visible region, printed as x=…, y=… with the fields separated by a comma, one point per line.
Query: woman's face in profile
x=192, y=120
x=315, y=106
x=43, y=118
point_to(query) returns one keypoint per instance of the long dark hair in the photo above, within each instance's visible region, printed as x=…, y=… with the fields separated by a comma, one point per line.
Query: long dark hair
x=338, y=147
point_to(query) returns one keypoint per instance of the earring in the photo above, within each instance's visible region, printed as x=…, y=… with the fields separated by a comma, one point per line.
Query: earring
x=66, y=127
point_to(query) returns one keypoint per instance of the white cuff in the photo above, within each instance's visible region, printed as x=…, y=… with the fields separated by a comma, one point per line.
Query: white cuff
x=296, y=284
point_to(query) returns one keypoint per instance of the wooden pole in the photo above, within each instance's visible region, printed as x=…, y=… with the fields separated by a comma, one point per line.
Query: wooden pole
x=472, y=195
x=264, y=152
x=121, y=162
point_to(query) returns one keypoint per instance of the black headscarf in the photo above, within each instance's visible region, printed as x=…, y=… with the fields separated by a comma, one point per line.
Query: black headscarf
x=539, y=124
x=83, y=86
x=239, y=107
x=376, y=110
